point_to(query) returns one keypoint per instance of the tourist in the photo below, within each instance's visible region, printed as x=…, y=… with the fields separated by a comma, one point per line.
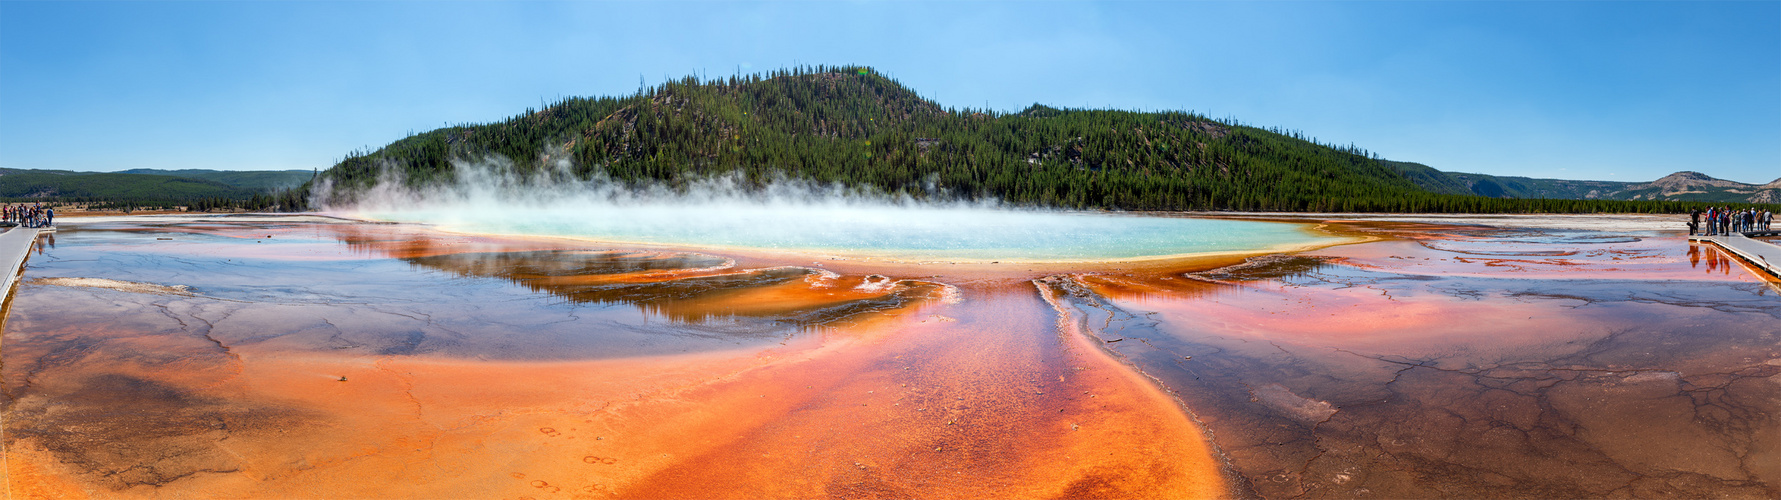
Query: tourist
x=49, y=216
x=1694, y=221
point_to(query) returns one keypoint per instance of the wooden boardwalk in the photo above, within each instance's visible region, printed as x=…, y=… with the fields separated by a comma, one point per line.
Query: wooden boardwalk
x=15, y=245
x=1760, y=254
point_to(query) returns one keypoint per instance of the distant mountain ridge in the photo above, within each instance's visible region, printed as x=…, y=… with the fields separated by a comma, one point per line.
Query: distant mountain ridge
x=1686, y=184
x=1680, y=186
x=147, y=186
x=251, y=179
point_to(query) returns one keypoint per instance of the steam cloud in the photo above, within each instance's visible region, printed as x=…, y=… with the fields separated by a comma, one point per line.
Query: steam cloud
x=488, y=197
x=493, y=184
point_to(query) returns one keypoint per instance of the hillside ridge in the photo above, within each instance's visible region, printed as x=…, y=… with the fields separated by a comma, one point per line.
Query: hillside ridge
x=852, y=126
x=1686, y=185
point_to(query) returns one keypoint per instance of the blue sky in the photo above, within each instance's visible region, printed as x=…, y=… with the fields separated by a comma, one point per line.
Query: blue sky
x=1579, y=90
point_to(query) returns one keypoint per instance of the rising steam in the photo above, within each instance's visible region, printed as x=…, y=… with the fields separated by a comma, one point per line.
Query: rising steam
x=785, y=214
x=495, y=184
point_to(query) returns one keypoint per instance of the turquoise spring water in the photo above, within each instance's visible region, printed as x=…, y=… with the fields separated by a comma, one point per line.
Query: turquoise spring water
x=909, y=233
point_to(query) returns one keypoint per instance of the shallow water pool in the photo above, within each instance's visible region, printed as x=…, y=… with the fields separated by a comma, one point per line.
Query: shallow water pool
x=914, y=233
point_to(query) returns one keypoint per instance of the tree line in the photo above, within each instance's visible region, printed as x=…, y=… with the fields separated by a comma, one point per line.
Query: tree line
x=853, y=126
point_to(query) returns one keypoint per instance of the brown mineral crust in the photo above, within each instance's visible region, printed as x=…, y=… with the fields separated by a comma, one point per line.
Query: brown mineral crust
x=1411, y=369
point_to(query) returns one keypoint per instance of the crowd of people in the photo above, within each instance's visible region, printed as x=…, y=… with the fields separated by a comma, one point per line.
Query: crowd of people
x=29, y=215
x=1724, y=221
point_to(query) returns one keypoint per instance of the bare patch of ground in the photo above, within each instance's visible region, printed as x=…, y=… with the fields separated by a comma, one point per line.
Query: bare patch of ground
x=111, y=284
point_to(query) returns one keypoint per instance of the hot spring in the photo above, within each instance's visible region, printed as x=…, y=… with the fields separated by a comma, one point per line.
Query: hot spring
x=728, y=212
x=296, y=356
x=898, y=232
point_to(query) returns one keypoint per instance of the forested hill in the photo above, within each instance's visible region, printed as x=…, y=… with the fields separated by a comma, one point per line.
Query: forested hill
x=268, y=180
x=156, y=188
x=853, y=126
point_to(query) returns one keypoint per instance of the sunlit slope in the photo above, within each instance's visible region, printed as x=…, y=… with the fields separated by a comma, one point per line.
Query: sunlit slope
x=856, y=127
x=1679, y=186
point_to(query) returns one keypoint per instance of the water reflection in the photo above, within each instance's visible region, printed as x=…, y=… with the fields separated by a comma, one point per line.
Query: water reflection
x=683, y=287
x=1717, y=259
x=298, y=287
